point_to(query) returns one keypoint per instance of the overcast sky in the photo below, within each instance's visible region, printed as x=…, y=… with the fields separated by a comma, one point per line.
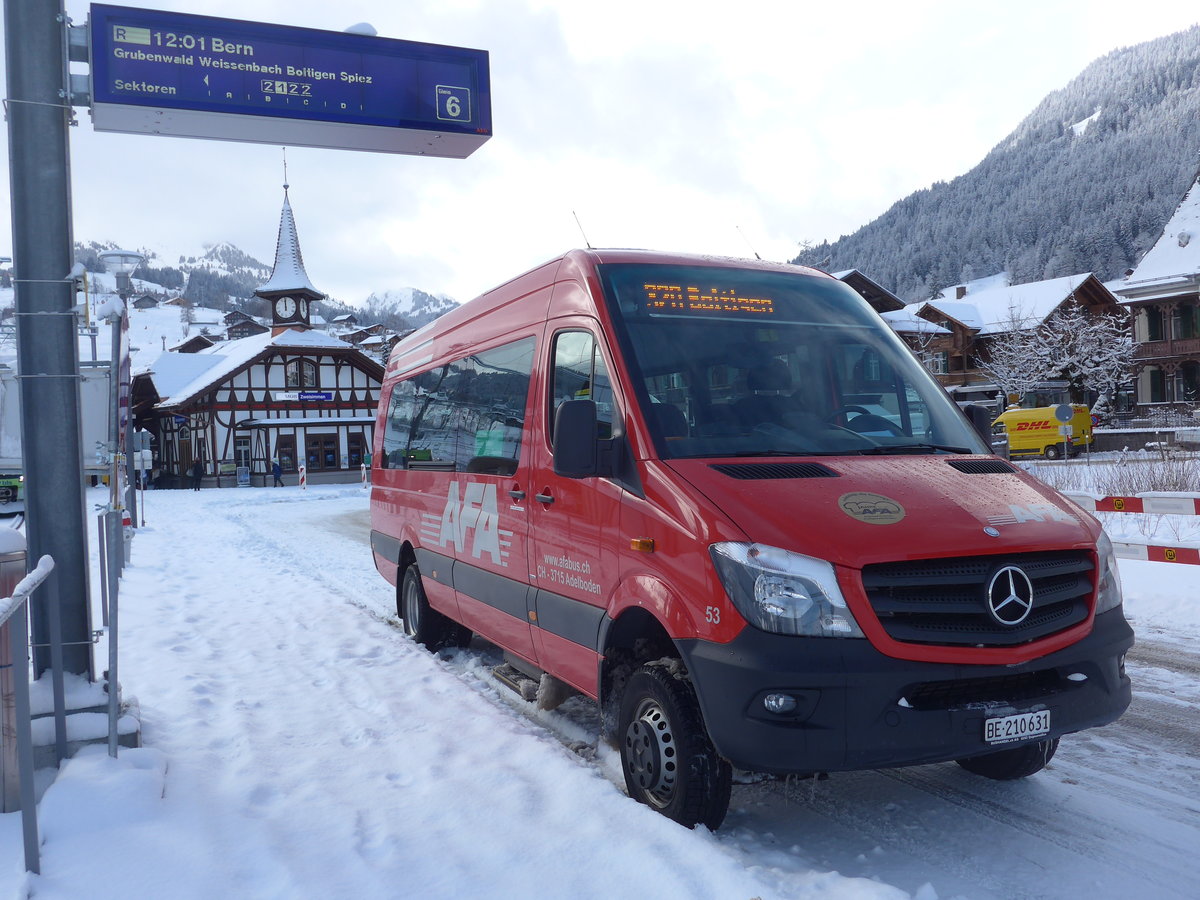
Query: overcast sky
x=729, y=127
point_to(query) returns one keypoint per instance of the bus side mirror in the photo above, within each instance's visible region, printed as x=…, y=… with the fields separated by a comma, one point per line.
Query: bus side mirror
x=576, y=447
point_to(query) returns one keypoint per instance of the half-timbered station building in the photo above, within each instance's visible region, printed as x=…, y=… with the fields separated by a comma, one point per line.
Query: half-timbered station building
x=293, y=394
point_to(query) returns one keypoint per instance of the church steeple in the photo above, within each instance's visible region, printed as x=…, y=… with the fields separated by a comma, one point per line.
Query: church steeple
x=289, y=289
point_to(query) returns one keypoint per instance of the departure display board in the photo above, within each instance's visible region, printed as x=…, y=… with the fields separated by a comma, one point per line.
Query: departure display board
x=693, y=300
x=159, y=72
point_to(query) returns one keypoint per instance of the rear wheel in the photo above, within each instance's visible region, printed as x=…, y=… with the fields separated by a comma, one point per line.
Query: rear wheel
x=1053, y=452
x=1009, y=765
x=423, y=623
x=668, y=760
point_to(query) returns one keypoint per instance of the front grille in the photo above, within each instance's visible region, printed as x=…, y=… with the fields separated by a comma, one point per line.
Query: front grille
x=7, y=494
x=943, y=601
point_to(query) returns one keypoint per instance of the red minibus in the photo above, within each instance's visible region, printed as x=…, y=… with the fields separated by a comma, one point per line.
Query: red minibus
x=721, y=498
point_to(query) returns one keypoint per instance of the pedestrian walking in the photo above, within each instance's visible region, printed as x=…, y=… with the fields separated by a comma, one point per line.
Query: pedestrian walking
x=197, y=473
x=277, y=472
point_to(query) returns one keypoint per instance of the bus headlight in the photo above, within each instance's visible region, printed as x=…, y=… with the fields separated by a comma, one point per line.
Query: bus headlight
x=784, y=592
x=1108, y=596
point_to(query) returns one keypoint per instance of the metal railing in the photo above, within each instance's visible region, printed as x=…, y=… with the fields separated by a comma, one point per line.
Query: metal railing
x=17, y=751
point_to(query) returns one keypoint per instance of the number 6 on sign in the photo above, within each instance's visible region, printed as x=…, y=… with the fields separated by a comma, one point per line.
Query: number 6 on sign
x=453, y=103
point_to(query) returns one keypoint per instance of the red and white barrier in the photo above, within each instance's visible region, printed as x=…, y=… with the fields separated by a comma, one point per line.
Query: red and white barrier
x=1185, y=555
x=1159, y=504
x=1149, y=503
x=304, y=477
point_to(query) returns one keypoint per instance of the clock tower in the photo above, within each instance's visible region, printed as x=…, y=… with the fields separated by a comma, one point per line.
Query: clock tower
x=289, y=290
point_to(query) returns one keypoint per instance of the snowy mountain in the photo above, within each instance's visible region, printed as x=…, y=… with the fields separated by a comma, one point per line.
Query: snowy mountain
x=225, y=277
x=1085, y=183
x=414, y=306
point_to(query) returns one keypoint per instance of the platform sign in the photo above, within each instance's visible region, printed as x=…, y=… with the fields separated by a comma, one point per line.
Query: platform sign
x=157, y=72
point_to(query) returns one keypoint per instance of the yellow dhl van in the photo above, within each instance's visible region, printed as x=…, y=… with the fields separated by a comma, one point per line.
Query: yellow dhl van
x=1036, y=432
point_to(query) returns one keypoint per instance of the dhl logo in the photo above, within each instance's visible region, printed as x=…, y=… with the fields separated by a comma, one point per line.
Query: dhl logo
x=1034, y=426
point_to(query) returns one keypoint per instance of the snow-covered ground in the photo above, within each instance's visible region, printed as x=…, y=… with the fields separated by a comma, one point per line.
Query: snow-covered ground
x=298, y=745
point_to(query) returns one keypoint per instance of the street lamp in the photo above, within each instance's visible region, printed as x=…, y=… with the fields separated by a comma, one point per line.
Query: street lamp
x=121, y=264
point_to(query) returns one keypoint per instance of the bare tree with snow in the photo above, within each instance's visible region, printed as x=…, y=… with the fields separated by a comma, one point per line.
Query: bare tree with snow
x=1015, y=360
x=1093, y=351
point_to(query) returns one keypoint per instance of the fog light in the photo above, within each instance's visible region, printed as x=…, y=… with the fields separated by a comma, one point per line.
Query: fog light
x=779, y=704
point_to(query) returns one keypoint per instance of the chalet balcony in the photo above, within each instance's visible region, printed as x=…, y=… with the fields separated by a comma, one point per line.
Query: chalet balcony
x=1167, y=349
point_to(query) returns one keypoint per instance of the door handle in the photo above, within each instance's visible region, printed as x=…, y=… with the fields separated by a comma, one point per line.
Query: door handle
x=517, y=494
x=544, y=498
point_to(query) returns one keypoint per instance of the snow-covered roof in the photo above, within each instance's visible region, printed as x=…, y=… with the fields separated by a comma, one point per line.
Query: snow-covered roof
x=177, y=382
x=172, y=372
x=1175, y=257
x=966, y=313
x=976, y=285
x=907, y=320
x=288, y=274
x=994, y=311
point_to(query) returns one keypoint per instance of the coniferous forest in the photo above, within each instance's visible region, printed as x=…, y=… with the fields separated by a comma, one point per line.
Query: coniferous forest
x=1058, y=196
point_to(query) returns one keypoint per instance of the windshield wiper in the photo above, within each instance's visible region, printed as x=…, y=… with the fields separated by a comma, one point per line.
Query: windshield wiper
x=913, y=448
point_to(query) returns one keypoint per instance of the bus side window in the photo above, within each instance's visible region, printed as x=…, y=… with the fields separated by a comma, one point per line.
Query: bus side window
x=580, y=374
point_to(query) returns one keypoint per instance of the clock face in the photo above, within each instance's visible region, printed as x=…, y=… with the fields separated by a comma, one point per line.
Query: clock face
x=285, y=307
x=303, y=308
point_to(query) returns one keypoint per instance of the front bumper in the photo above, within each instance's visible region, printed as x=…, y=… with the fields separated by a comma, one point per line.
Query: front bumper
x=859, y=709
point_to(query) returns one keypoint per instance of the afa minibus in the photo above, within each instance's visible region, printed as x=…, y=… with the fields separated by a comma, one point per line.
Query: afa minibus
x=722, y=499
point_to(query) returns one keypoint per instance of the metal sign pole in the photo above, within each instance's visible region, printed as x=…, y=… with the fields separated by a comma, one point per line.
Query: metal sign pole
x=39, y=115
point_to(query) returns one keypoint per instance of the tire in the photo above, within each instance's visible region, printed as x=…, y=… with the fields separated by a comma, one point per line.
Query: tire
x=666, y=755
x=1053, y=452
x=1009, y=765
x=423, y=623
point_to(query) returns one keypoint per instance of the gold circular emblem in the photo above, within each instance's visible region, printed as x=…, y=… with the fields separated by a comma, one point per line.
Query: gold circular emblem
x=874, y=509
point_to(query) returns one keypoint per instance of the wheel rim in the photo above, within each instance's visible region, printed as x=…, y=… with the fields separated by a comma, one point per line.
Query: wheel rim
x=651, y=753
x=412, y=609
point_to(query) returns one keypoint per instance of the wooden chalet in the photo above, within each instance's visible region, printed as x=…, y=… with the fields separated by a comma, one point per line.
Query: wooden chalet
x=244, y=328
x=971, y=320
x=290, y=393
x=194, y=344
x=1163, y=293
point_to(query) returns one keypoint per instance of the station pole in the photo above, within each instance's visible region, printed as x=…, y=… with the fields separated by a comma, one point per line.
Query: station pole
x=39, y=114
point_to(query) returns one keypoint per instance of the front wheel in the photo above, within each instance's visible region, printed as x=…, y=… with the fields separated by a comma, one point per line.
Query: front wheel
x=668, y=759
x=423, y=623
x=1009, y=765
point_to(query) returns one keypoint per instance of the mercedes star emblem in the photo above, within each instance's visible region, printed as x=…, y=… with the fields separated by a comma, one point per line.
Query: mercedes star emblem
x=1010, y=596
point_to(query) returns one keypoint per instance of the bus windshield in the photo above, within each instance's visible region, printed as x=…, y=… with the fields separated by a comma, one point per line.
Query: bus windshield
x=744, y=362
